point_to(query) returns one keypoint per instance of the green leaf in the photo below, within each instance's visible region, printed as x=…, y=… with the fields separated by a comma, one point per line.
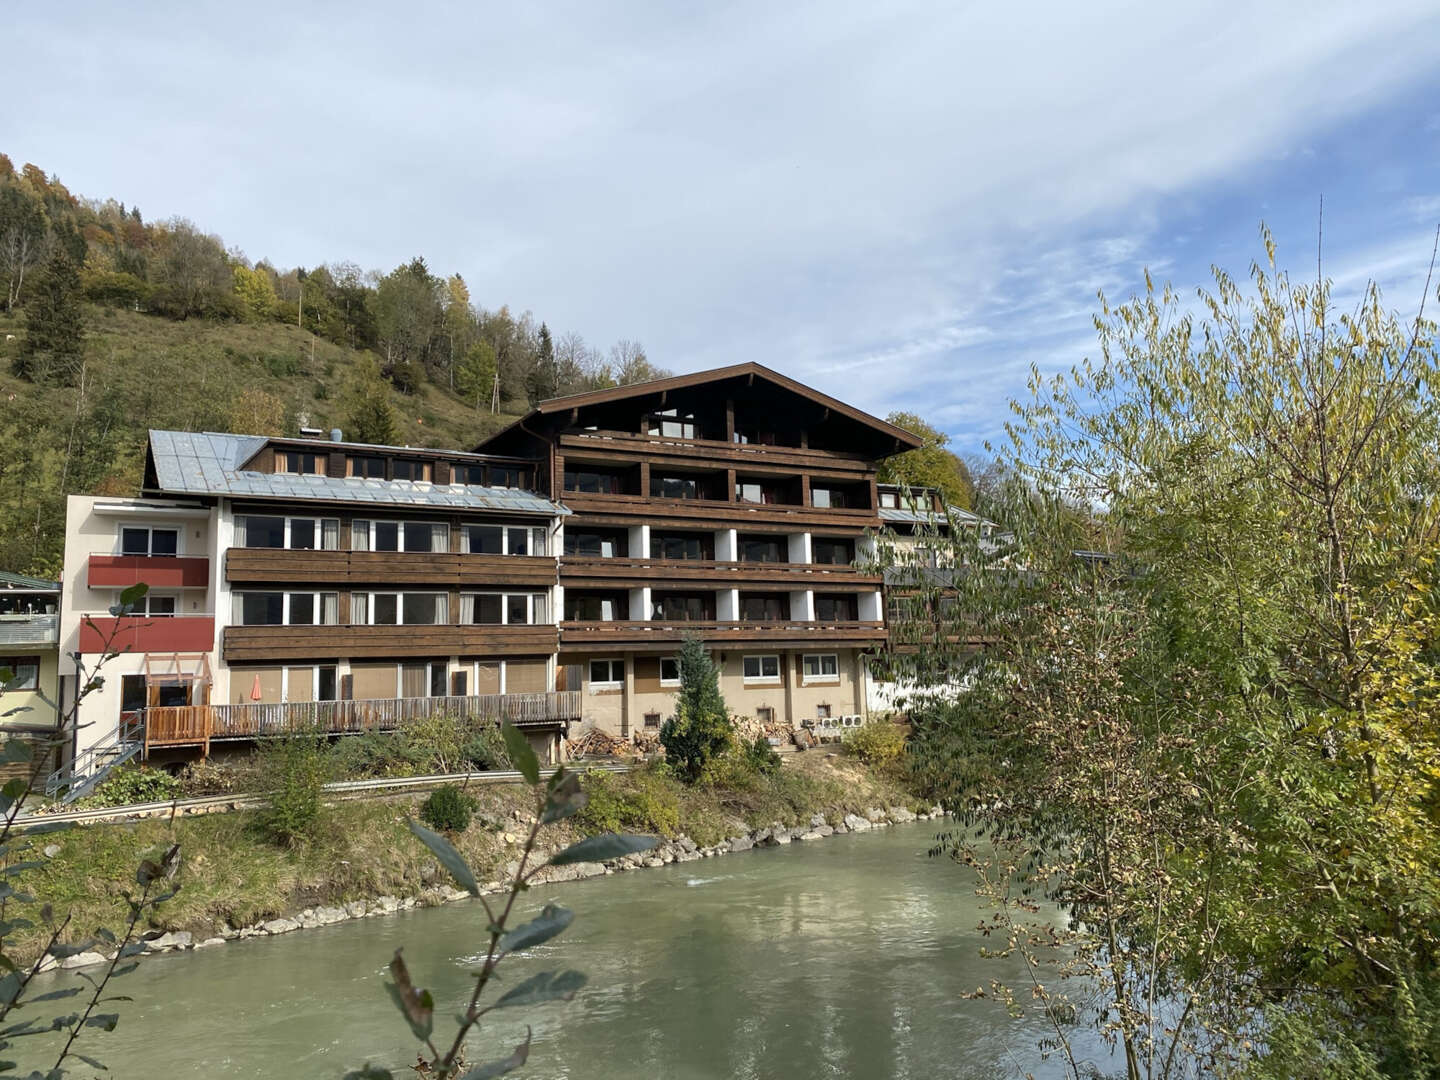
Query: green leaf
x=16, y=750
x=134, y=594
x=417, y=1006
x=55, y=995
x=606, y=846
x=521, y=755
x=90, y=1061
x=104, y=1021
x=500, y=1068
x=449, y=858
x=370, y=1072
x=551, y=921
x=60, y=952
x=546, y=986
x=564, y=799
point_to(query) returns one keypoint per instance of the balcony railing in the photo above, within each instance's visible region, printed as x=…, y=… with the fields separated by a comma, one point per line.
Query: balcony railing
x=110, y=571
x=29, y=629
x=147, y=633
x=199, y=725
x=641, y=633
x=721, y=573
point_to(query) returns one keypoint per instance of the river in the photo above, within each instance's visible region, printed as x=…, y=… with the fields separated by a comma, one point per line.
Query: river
x=846, y=957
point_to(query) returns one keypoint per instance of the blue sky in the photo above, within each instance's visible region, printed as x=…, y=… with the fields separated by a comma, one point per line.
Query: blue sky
x=906, y=203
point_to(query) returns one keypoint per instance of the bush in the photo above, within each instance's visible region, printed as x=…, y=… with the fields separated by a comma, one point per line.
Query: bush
x=447, y=809
x=876, y=743
x=438, y=741
x=124, y=787
x=641, y=801
x=373, y=754
x=485, y=749
x=759, y=756
x=294, y=771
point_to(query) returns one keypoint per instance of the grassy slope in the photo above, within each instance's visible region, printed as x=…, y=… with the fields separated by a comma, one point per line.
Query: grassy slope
x=185, y=374
x=231, y=875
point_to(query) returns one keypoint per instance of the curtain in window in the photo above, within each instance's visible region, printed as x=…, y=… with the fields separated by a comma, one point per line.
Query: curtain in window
x=440, y=538
x=359, y=536
x=329, y=608
x=240, y=531
x=537, y=541
x=414, y=680
x=359, y=608
x=237, y=609
x=538, y=610
x=467, y=609
x=442, y=609
x=330, y=534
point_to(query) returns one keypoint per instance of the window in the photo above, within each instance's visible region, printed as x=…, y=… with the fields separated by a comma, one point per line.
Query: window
x=325, y=683
x=468, y=474
x=418, y=471
x=652, y=719
x=489, y=610
x=764, y=607
x=507, y=476
x=766, y=715
x=820, y=666
x=399, y=536
x=669, y=671
x=887, y=500
x=764, y=549
x=764, y=668
x=517, y=541
x=676, y=487
x=827, y=498
x=133, y=693
x=681, y=607
x=285, y=609
x=301, y=462
x=142, y=540
x=593, y=481
x=370, y=468
x=822, y=712
x=261, y=608
x=483, y=540
x=678, y=546
x=502, y=609
x=670, y=425
x=300, y=534
x=607, y=673
x=832, y=552
x=834, y=608
x=603, y=608
x=25, y=672
x=605, y=545
x=758, y=491
x=501, y=540
x=396, y=609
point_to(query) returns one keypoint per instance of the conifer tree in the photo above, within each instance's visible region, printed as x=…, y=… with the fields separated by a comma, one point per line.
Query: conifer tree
x=54, y=323
x=371, y=418
x=700, y=730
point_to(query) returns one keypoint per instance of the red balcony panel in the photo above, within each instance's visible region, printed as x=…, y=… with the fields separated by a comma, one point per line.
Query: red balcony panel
x=157, y=571
x=147, y=633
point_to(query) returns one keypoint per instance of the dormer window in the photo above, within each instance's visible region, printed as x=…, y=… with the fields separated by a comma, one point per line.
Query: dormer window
x=416, y=471
x=299, y=462
x=368, y=468
x=669, y=424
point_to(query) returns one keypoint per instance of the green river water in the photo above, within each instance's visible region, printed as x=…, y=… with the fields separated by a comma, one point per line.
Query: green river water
x=845, y=957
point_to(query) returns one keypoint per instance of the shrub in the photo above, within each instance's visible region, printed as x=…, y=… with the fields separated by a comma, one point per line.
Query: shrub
x=438, y=741
x=700, y=730
x=760, y=757
x=876, y=744
x=485, y=749
x=294, y=770
x=204, y=777
x=125, y=787
x=375, y=754
x=644, y=799
x=447, y=809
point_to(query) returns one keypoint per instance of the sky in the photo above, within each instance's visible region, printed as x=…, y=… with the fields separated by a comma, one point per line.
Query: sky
x=904, y=204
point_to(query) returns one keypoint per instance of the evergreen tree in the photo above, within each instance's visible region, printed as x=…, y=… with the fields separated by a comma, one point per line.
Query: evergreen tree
x=54, y=323
x=700, y=730
x=371, y=418
x=540, y=383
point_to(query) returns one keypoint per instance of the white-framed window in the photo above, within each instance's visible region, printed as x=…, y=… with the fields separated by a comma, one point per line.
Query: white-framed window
x=820, y=667
x=409, y=536
x=399, y=609
x=152, y=604
x=149, y=540
x=607, y=674
x=502, y=540
x=24, y=672
x=285, y=608
x=294, y=533
x=764, y=667
x=669, y=671
x=503, y=609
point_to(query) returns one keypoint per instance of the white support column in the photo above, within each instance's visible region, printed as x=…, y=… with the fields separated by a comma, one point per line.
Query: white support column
x=640, y=603
x=872, y=606
x=802, y=605
x=727, y=605
x=725, y=546
x=639, y=542
x=800, y=551
x=222, y=531
x=864, y=548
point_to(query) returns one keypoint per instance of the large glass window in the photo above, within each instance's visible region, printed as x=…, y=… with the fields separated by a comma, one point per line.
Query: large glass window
x=827, y=498
x=830, y=608
x=681, y=607
x=605, y=545
x=677, y=546
x=669, y=424
x=484, y=539
x=763, y=607
x=262, y=608
x=603, y=608
x=832, y=552
x=593, y=481
x=371, y=468
x=143, y=540
x=300, y=461
x=411, y=470
x=763, y=668
x=421, y=609
x=298, y=533
x=763, y=549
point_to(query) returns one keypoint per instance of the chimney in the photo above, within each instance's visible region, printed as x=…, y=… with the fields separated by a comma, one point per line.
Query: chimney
x=336, y=435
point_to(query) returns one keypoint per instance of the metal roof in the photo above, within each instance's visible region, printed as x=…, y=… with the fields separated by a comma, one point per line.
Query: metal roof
x=928, y=517
x=20, y=581
x=208, y=463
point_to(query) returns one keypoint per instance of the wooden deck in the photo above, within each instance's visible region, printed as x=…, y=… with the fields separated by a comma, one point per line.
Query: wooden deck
x=200, y=725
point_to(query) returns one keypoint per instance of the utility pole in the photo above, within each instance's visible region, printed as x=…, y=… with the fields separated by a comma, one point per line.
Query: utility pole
x=495, y=393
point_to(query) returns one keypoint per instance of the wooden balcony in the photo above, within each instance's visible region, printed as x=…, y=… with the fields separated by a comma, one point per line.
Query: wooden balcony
x=624, y=510
x=265, y=566
x=630, y=635
x=200, y=725
x=623, y=445
x=157, y=571
x=593, y=571
x=147, y=633
x=252, y=643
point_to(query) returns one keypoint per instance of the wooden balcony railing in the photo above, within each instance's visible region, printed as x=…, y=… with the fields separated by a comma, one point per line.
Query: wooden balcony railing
x=199, y=725
x=248, y=566
x=580, y=571
x=639, y=634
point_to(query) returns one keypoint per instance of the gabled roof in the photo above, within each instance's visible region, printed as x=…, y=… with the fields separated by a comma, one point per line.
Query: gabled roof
x=211, y=463
x=751, y=370
x=20, y=581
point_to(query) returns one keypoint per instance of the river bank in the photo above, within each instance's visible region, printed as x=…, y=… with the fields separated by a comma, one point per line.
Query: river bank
x=234, y=884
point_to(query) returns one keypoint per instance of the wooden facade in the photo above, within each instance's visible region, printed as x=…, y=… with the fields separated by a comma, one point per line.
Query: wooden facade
x=280, y=566
x=241, y=644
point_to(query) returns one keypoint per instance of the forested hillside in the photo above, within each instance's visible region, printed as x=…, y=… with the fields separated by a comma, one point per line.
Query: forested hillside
x=111, y=324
